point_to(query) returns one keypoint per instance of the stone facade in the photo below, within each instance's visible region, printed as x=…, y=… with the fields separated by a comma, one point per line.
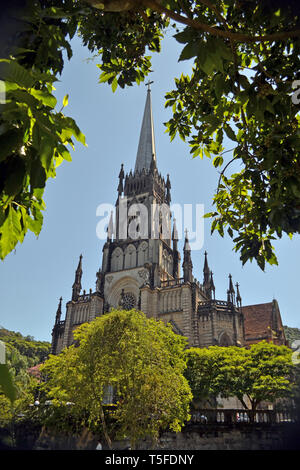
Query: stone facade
x=141, y=265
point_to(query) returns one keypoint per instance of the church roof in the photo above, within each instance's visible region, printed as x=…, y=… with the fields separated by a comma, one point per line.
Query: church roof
x=146, y=148
x=263, y=321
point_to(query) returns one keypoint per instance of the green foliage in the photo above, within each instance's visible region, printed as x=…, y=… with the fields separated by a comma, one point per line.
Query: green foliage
x=18, y=389
x=6, y=383
x=34, y=136
x=17, y=386
x=241, y=90
x=121, y=40
x=23, y=352
x=141, y=358
x=264, y=372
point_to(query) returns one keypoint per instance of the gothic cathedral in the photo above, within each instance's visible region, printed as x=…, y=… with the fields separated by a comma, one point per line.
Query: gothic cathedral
x=144, y=271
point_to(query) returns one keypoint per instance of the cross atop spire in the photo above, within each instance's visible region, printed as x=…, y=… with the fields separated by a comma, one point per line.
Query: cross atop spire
x=146, y=149
x=148, y=84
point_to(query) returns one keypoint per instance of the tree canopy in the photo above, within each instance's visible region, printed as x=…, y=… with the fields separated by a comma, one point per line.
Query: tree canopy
x=264, y=372
x=142, y=359
x=243, y=86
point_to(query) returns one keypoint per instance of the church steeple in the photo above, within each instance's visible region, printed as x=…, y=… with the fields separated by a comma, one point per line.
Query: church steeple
x=206, y=271
x=187, y=264
x=231, y=291
x=76, y=288
x=121, y=177
x=58, y=313
x=168, y=187
x=146, y=147
x=212, y=285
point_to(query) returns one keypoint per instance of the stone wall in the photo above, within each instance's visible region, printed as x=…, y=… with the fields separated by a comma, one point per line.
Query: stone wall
x=194, y=437
x=241, y=437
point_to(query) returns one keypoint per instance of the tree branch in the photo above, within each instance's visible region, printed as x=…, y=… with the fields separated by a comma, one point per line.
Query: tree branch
x=240, y=37
x=120, y=5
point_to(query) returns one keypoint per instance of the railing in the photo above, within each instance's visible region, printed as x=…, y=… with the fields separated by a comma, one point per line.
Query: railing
x=84, y=297
x=223, y=304
x=172, y=282
x=235, y=416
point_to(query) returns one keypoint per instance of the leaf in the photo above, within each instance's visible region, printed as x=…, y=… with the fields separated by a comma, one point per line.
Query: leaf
x=6, y=383
x=35, y=224
x=218, y=161
x=37, y=175
x=184, y=36
x=46, y=152
x=71, y=128
x=44, y=96
x=65, y=101
x=11, y=71
x=219, y=85
x=189, y=51
x=105, y=76
x=230, y=133
x=114, y=84
x=10, y=232
x=64, y=153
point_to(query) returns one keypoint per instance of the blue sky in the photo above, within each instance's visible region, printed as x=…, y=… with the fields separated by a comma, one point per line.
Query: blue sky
x=41, y=270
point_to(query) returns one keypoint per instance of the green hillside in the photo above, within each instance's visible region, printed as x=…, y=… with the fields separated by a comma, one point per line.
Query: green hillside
x=291, y=334
x=23, y=352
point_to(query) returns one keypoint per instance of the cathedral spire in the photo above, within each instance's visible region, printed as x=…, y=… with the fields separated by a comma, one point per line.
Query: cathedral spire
x=76, y=288
x=206, y=271
x=58, y=313
x=175, y=237
x=231, y=291
x=121, y=177
x=187, y=264
x=146, y=148
x=168, y=194
x=176, y=255
x=238, y=296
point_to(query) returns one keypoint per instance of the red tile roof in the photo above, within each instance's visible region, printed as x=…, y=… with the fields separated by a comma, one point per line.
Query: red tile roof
x=263, y=321
x=35, y=371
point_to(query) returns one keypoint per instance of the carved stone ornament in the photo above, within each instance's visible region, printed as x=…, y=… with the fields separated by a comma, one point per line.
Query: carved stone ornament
x=144, y=274
x=109, y=279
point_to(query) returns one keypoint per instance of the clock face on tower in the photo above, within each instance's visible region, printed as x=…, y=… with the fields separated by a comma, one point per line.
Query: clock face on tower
x=127, y=301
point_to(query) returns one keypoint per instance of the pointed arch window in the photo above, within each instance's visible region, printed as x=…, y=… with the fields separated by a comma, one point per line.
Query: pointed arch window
x=142, y=253
x=117, y=260
x=130, y=257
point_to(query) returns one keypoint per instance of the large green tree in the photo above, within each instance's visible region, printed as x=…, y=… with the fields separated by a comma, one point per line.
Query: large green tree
x=245, y=66
x=264, y=372
x=142, y=359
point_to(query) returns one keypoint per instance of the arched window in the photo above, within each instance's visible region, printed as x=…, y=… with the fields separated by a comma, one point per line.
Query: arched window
x=142, y=253
x=225, y=340
x=130, y=257
x=170, y=264
x=117, y=260
x=127, y=301
x=165, y=260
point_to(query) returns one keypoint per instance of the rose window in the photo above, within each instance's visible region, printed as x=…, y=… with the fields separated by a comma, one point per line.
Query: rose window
x=127, y=301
